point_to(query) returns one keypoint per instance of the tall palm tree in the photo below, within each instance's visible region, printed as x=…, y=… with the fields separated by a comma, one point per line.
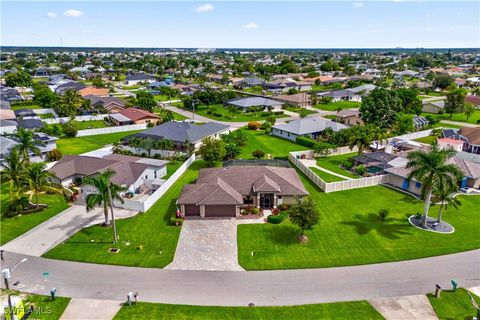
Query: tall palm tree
x=379, y=135
x=38, y=179
x=148, y=144
x=14, y=171
x=106, y=190
x=430, y=168
x=164, y=145
x=360, y=138
x=27, y=144
x=444, y=195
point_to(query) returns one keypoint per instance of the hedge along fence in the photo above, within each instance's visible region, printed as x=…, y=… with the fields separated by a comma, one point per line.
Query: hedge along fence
x=92, y=132
x=295, y=157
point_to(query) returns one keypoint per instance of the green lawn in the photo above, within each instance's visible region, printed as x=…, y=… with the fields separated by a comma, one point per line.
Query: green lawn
x=90, y=124
x=80, y=145
x=333, y=106
x=350, y=232
x=43, y=307
x=161, y=98
x=132, y=87
x=299, y=110
x=339, y=310
x=275, y=146
x=30, y=106
x=179, y=117
x=326, y=176
x=427, y=139
x=171, y=168
x=459, y=117
x=18, y=225
x=333, y=163
x=149, y=229
x=226, y=115
x=453, y=305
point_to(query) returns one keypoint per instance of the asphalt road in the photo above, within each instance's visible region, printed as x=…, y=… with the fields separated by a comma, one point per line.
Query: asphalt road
x=229, y=288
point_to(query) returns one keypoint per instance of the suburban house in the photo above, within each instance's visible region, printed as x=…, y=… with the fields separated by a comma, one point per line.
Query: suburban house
x=134, y=79
x=298, y=100
x=7, y=114
x=92, y=91
x=222, y=192
x=469, y=135
x=430, y=106
x=283, y=85
x=309, y=126
x=245, y=103
x=447, y=143
x=111, y=104
x=8, y=126
x=133, y=116
x=25, y=113
x=44, y=143
x=72, y=85
x=363, y=89
x=376, y=162
x=141, y=176
x=340, y=95
x=183, y=135
x=30, y=123
x=349, y=117
x=249, y=82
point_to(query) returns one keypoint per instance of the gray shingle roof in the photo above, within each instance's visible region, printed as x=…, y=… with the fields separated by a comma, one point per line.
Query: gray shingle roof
x=309, y=125
x=253, y=101
x=182, y=131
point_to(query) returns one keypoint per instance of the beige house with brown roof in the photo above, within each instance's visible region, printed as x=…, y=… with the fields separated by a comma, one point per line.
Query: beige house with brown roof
x=222, y=192
x=349, y=117
x=299, y=100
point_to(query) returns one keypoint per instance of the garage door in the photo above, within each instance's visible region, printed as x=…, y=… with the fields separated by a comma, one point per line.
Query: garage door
x=219, y=211
x=192, y=210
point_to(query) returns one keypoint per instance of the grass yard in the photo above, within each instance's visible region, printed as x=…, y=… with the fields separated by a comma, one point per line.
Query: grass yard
x=29, y=106
x=453, y=305
x=459, y=117
x=80, y=145
x=18, y=225
x=339, y=310
x=427, y=139
x=43, y=307
x=326, y=176
x=350, y=232
x=333, y=163
x=161, y=98
x=226, y=115
x=275, y=146
x=179, y=117
x=171, y=168
x=90, y=124
x=149, y=231
x=132, y=87
x=333, y=106
x=300, y=109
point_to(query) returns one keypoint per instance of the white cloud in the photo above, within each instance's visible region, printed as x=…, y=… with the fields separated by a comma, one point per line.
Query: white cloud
x=459, y=27
x=358, y=4
x=251, y=25
x=205, y=8
x=73, y=13
x=52, y=15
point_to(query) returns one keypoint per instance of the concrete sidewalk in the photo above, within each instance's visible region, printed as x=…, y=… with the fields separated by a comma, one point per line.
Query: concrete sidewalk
x=59, y=228
x=407, y=307
x=83, y=309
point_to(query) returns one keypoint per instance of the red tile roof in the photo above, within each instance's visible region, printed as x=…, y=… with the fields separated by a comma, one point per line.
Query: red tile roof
x=135, y=114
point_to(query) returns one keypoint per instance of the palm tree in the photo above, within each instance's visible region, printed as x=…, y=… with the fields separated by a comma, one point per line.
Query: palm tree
x=476, y=91
x=107, y=192
x=379, y=135
x=164, y=145
x=430, y=168
x=134, y=143
x=14, y=171
x=360, y=138
x=27, y=144
x=443, y=194
x=38, y=179
x=148, y=144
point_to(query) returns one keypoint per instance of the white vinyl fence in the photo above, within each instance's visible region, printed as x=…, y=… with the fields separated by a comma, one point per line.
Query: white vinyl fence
x=77, y=118
x=413, y=135
x=295, y=157
x=143, y=206
x=130, y=127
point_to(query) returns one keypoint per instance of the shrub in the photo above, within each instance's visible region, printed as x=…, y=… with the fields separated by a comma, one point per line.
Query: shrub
x=174, y=221
x=347, y=164
x=254, y=125
x=69, y=130
x=256, y=210
x=258, y=154
x=54, y=155
x=383, y=214
x=306, y=141
x=277, y=113
x=361, y=170
x=277, y=219
x=150, y=125
x=326, y=100
x=217, y=114
x=265, y=114
x=275, y=211
x=282, y=207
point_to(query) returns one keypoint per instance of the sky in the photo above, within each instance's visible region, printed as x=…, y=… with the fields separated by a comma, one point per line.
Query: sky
x=252, y=24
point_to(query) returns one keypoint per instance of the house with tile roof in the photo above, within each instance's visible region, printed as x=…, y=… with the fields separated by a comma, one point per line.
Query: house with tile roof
x=222, y=192
x=136, y=116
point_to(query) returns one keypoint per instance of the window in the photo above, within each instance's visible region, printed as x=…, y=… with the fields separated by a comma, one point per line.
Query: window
x=247, y=200
x=155, y=174
x=279, y=197
x=146, y=176
x=418, y=185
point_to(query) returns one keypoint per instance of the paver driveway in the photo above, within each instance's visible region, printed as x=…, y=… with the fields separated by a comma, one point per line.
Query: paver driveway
x=207, y=245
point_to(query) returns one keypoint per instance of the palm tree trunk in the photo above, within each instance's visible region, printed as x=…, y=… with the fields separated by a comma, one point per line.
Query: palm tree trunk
x=426, y=206
x=105, y=212
x=36, y=197
x=440, y=213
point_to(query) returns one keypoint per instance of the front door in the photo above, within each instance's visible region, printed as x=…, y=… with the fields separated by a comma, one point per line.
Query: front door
x=266, y=200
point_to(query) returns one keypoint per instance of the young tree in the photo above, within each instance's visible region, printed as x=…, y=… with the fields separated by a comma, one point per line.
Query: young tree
x=212, y=150
x=323, y=149
x=258, y=154
x=97, y=82
x=232, y=150
x=44, y=97
x=38, y=179
x=102, y=197
x=305, y=215
x=431, y=169
x=146, y=101
x=444, y=195
x=442, y=81
x=69, y=103
x=469, y=110
x=18, y=79
x=27, y=144
x=14, y=171
x=379, y=135
x=148, y=144
x=455, y=101
x=360, y=137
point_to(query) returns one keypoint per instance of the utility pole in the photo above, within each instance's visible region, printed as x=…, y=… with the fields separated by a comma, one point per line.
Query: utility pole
x=113, y=217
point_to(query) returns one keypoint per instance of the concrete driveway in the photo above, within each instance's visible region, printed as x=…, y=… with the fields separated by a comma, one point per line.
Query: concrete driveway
x=59, y=228
x=207, y=245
